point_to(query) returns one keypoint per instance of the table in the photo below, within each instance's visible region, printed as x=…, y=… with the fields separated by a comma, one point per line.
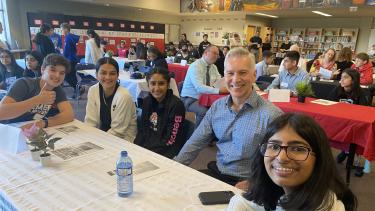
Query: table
x=137, y=87
x=345, y=124
x=179, y=71
x=121, y=61
x=87, y=182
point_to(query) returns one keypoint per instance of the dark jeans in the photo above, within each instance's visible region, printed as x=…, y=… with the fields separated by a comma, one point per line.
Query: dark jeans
x=214, y=172
x=71, y=77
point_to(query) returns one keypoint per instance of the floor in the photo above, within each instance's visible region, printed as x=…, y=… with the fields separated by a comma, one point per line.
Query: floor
x=363, y=187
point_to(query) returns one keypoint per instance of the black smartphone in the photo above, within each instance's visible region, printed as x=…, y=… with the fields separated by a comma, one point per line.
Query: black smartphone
x=215, y=197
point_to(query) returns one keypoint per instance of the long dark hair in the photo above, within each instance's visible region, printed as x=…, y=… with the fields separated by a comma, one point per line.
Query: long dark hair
x=96, y=37
x=159, y=70
x=106, y=60
x=37, y=56
x=315, y=192
x=356, y=86
x=13, y=64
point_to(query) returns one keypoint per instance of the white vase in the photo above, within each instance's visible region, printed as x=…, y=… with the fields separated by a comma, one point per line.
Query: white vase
x=45, y=159
x=35, y=154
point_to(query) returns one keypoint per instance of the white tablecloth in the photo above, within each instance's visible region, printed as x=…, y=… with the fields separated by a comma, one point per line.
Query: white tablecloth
x=83, y=182
x=135, y=86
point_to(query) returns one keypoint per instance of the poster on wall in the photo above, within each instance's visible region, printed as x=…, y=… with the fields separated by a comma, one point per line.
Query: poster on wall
x=111, y=30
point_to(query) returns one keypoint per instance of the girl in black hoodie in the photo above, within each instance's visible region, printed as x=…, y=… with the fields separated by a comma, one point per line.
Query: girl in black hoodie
x=163, y=115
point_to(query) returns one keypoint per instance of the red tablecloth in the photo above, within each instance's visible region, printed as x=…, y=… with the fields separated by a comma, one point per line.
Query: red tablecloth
x=344, y=123
x=179, y=71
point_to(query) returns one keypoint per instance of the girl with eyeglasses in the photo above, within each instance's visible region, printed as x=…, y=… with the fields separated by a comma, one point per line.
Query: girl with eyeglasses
x=294, y=169
x=9, y=70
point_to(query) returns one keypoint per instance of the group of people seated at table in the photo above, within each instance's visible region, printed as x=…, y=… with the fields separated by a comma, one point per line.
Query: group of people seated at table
x=283, y=161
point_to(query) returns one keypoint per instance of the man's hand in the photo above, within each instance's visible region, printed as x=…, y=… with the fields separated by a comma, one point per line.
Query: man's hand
x=39, y=124
x=46, y=97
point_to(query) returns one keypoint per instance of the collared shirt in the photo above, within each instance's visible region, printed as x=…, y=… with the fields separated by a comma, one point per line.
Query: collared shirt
x=261, y=68
x=195, y=80
x=286, y=80
x=238, y=133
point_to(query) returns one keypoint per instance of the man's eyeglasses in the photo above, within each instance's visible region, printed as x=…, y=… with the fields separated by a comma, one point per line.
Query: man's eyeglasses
x=297, y=153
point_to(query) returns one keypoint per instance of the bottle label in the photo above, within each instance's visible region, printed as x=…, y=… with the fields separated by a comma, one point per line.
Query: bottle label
x=124, y=171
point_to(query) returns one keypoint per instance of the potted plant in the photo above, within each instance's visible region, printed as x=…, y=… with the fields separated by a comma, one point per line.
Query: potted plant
x=42, y=142
x=303, y=90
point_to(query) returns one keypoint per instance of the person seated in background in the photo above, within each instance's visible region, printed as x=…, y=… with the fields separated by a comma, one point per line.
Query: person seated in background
x=262, y=66
x=236, y=41
x=34, y=61
x=327, y=62
x=301, y=61
x=344, y=61
x=285, y=46
x=162, y=119
x=310, y=63
x=267, y=43
x=131, y=55
x=350, y=90
x=226, y=49
x=155, y=58
x=293, y=169
x=183, y=54
x=200, y=78
x=9, y=69
x=220, y=63
x=203, y=45
x=364, y=67
x=43, y=43
x=109, y=106
x=237, y=120
x=170, y=50
x=291, y=75
x=193, y=52
x=122, y=50
x=41, y=99
x=183, y=41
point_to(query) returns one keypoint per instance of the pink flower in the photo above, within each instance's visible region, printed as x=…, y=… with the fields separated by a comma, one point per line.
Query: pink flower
x=31, y=132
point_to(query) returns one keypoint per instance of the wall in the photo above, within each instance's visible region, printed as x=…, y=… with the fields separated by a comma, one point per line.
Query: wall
x=207, y=24
x=363, y=23
x=17, y=10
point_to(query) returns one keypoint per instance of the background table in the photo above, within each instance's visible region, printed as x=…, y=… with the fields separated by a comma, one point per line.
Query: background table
x=179, y=71
x=87, y=183
x=137, y=87
x=121, y=61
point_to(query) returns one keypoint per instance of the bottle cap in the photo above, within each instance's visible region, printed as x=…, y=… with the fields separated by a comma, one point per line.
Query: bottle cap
x=124, y=153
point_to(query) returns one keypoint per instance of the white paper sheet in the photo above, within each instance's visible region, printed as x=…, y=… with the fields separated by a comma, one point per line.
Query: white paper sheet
x=326, y=74
x=279, y=95
x=324, y=102
x=12, y=139
x=183, y=62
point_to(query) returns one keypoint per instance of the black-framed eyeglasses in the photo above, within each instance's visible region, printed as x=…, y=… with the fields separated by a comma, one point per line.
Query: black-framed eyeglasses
x=297, y=153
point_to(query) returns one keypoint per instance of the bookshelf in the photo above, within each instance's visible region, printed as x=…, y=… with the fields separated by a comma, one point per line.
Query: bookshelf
x=314, y=40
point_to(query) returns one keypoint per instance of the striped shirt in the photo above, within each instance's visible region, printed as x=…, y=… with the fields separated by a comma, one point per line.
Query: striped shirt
x=238, y=133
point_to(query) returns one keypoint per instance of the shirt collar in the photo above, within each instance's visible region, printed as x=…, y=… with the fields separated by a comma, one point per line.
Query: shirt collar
x=296, y=73
x=204, y=62
x=252, y=101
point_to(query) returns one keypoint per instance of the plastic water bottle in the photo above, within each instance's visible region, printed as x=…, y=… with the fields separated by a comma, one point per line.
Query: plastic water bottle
x=124, y=172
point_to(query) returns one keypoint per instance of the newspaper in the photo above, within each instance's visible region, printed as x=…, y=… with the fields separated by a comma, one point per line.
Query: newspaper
x=70, y=152
x=68, y=129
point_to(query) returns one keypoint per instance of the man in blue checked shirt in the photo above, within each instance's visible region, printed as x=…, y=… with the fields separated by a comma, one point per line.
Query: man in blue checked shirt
x=239, y=122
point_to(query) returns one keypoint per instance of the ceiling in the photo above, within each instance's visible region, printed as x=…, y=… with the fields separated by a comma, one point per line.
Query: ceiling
x=172, y=7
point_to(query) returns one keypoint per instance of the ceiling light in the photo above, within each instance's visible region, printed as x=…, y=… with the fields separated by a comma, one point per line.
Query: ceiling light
x=263, y=14
x=107, y=5
x=139, y=9
x=322, y=13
